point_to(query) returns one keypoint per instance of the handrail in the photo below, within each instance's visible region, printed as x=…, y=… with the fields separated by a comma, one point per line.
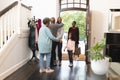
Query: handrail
x=27, y=7
x=8, y=8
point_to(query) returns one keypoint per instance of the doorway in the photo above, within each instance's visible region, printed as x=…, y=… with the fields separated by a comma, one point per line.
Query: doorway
x=80, y=18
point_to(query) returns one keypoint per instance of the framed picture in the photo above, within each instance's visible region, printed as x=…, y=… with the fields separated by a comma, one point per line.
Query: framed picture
x=114, y=20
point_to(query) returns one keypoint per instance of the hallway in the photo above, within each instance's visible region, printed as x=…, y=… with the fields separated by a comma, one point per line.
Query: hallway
x=30, y=71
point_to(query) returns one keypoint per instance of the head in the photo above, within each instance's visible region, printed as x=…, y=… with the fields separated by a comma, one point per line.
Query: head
x=46, y=21
x=59, y=20
x=73, y=23
x=52, y=20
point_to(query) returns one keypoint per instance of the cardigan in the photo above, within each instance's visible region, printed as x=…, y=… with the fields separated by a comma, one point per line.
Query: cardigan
x=45, y=40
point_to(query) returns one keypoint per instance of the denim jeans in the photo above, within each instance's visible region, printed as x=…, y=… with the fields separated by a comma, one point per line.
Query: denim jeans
x=70, y=54
x=48, y=56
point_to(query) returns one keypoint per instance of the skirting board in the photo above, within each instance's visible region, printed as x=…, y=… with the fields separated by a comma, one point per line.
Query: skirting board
x=13, y=69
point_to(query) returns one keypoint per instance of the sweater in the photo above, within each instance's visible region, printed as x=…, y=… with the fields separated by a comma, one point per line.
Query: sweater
x=45, y=40
x=54, y=28
x=70, y=45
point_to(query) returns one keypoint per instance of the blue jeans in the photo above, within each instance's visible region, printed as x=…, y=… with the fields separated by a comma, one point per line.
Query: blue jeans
x=48, y=56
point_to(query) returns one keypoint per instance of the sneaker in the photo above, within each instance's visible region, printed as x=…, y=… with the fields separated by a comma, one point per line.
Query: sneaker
x=60, y=63
x=70, y=65
x=42, y=70
x=77, y=59
x=49, y=70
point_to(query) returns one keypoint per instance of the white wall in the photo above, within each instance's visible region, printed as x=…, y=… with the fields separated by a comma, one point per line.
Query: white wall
x=5, y=3
x=42, y=8
x=100, y=17
x=14, y=55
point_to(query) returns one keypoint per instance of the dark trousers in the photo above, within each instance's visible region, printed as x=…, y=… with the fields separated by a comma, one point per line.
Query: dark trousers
x=59, y=51
x=53, y=52
x=70, y=54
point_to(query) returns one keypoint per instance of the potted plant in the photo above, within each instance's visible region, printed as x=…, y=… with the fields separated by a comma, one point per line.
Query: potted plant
x=99, y=62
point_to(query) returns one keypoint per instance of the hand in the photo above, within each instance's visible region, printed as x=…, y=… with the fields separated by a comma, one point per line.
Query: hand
x=36, y=41
x=60, y=40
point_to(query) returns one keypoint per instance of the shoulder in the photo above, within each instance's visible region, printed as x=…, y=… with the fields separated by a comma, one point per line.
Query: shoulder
x=76, y=27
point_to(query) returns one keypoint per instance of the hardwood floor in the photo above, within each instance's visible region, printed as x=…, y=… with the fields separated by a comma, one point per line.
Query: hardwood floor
x=63, y=73
x=79, y=72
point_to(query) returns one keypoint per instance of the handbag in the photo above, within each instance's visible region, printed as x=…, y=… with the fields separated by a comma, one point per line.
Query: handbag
x=77, y=51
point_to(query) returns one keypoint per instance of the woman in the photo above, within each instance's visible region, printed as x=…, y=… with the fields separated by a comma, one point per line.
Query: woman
x=45, y=45
x=75, y=32
x=60, y=33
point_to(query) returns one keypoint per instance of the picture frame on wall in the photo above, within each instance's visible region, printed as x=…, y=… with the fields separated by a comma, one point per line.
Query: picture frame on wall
x=114, y=20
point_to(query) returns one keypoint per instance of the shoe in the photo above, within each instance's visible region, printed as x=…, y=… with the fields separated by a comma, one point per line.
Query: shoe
x=60, y=63
x=77, y=59
x=70, y=65
x=42, y=70
x=49, y=70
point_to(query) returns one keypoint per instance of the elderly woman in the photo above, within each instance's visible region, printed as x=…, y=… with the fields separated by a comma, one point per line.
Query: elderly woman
x=45, y=45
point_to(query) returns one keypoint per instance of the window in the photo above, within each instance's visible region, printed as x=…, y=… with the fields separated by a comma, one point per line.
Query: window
x=73, y=5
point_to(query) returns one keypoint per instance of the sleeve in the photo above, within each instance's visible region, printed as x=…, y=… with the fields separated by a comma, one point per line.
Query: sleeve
x=77, y=35
x=59, y=25
x=48, y=32
x=73, y=46
x=60, y=33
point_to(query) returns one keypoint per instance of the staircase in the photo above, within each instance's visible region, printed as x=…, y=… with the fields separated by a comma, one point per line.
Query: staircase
x=14, y=51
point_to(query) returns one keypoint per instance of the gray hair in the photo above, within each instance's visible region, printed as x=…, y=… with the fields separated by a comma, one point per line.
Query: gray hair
x=46, y=20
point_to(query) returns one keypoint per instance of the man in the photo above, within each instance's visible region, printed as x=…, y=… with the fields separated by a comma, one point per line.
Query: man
x=54, y=28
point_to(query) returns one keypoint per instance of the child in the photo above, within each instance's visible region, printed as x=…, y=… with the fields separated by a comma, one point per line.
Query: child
x=70, y=48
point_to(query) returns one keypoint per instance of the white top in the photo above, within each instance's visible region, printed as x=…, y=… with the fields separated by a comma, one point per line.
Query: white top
x=70, y=45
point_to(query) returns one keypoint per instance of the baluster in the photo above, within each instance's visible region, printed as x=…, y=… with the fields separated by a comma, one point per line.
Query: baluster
x=1, y=35
x=8, y=25
x=4, y=26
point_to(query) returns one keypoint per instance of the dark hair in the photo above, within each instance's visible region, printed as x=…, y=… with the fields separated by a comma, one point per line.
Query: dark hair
x=72, y=37
x=74, y=22
x=46, y=20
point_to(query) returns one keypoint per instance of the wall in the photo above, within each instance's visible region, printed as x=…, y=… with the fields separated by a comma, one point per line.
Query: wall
x=5, y=3
x=42, y=8
x=15, y=54
x=100, y=17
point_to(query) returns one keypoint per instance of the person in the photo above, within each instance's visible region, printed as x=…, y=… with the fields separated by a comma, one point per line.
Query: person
x=60, y=33
x=70, y=48
x=54, y=28
x=31, y=40
x=45, y=44
x=75, y=32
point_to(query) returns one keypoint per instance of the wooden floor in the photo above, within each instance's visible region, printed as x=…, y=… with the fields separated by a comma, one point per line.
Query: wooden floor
x=80, y=71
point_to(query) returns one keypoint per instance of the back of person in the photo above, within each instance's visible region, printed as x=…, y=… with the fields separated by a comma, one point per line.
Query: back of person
x=44, y=39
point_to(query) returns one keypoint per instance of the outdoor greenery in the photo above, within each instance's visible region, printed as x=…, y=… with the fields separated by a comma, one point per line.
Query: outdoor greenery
x=79, y=17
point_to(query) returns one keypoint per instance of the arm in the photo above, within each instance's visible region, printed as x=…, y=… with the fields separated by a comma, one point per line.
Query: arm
x=48, y=32
x=77, y=35
x=73, y=46
x=60, y=33
x=59, y=25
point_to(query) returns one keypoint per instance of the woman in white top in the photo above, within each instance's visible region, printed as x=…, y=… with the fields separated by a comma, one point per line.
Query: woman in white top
x=70, y=48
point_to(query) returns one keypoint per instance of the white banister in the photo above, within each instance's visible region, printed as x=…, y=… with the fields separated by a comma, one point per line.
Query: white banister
x=13, y=21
